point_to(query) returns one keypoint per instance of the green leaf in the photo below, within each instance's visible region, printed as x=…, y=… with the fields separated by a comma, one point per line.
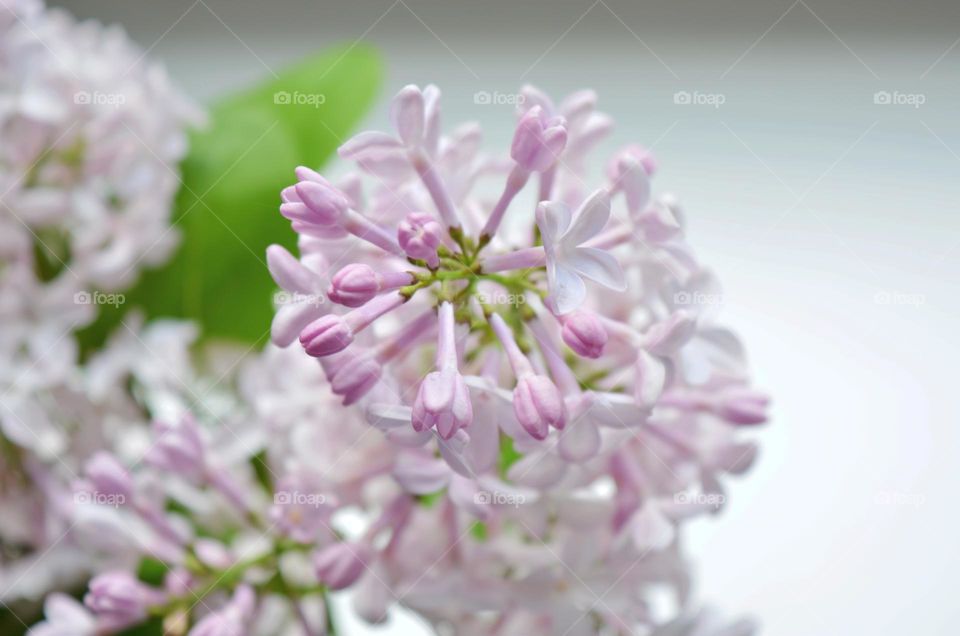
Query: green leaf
x=152, y=627
x=152, y=571
x=508, y=455
x=227, y=208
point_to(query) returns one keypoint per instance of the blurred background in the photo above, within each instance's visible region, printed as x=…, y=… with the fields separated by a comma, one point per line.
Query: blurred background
x=816, y=150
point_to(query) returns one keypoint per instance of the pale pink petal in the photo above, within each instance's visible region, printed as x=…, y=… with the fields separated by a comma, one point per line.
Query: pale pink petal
x=532, y=96
x=599, y=266
x=553, y=219
x=466, y=495
x=406, y=437
x=388, y=416
x=658, y=224
x=590, y=220
x=617, y=410
x=567, y=291
x=371, y=596
x=668, y=336
x=391, y=166
x=597, y=127
x=650, y=380
x=453, y=451
x=431, y=110
x=538, y=470
x=407, y=115
x=636, y=185
x=290, y=320
x=484, y=446
x=575, y=107
x=579, y=439
x=366, y=142
x=419, y=474
x=63, y=609
x=650, y=529
x=287, y=271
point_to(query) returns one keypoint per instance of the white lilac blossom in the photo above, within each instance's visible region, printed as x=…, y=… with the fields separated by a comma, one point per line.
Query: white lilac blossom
x=92, y=136
x=92, y=133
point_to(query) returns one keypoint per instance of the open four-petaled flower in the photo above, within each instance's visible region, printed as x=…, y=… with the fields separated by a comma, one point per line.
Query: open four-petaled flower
x=568, y=258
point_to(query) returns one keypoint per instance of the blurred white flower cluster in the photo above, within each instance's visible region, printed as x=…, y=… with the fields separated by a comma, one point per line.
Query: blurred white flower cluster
x=91, y=130
x=92, y=135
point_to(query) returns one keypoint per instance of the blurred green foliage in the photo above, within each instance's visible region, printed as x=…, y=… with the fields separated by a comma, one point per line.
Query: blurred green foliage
x=227, y=206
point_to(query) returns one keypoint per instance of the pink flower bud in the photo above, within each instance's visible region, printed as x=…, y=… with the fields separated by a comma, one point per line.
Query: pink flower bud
x=233, y=618
x=538, y=141
x=331, y=334
x=442, y=402
x=357, y=284
x=178, y=581
x=106, y=476
x=326, y=204
x=119, y=600
x=178, y=447
x=353, y=378
x=584, y=333
x=420, y=235
x=340, y=565
x=634, y=152
x=326, y=335
x=538, y=404
x=354, y=285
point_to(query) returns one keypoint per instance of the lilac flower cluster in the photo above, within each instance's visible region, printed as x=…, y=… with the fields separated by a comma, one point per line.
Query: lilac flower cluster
x=572, y=427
